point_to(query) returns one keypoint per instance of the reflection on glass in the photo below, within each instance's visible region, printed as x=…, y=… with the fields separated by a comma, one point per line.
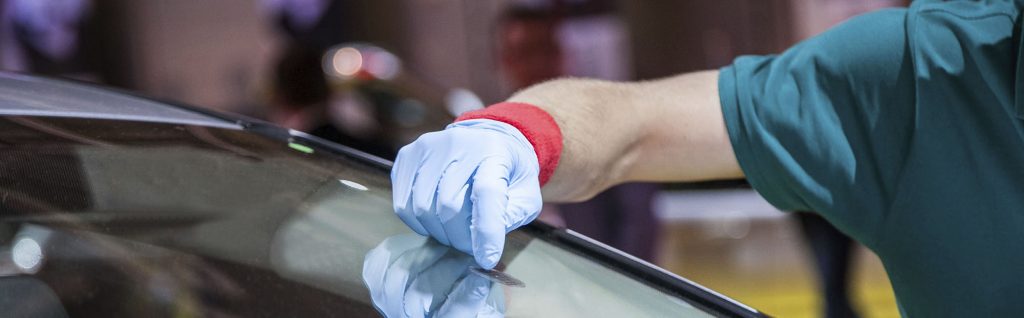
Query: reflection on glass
x=27, y=251
x=412, y=276
x=27, y=254
x=354, y=185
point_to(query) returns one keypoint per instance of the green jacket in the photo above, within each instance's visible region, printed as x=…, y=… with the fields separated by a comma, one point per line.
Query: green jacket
x=905, y=129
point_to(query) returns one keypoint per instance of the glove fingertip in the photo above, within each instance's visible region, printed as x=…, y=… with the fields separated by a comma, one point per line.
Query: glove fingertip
x=487, y=258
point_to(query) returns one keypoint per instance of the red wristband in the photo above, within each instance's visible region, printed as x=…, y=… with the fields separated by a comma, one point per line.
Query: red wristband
x=538, y=127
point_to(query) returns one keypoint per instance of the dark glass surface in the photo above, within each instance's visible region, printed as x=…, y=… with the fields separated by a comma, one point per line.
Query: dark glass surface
x=130, y=219
x=146, y=219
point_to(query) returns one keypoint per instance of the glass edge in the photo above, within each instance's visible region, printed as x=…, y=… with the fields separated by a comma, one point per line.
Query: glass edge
x=691, y=292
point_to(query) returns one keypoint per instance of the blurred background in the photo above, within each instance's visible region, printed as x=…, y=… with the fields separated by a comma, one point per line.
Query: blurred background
x=373, y=75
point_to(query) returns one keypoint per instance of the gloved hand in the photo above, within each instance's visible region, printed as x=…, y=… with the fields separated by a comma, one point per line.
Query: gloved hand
x=468, y=185
x=413, y=276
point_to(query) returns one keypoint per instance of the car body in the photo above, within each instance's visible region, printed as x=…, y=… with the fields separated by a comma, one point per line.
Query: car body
x=115, y=205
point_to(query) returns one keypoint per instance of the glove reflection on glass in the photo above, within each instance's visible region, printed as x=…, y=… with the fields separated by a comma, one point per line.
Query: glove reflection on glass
x=468, y=185
x=413, y=276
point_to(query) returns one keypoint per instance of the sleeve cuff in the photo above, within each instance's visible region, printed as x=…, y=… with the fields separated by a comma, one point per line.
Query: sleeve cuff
x=741, y=127
x=536, y=124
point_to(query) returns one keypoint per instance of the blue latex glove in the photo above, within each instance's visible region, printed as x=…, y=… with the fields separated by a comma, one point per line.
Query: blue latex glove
x=413, y=276
x=468, y=185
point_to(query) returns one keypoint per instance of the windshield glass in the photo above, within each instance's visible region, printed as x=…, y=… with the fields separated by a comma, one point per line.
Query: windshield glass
x=118, y=218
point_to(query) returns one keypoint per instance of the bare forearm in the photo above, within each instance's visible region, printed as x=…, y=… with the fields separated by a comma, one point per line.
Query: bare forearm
x=664, y=130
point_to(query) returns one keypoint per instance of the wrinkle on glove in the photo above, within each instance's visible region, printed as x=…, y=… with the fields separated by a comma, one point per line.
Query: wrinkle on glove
x=467, y=186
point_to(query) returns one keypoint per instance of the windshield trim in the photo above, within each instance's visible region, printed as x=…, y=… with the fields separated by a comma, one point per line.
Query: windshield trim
x=659, y=278
x=341, y=149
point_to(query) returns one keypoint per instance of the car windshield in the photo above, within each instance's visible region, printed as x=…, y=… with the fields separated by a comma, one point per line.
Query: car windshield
x=124, y=218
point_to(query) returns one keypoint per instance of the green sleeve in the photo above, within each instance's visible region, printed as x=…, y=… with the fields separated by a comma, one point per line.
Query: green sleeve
x=823, y=126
